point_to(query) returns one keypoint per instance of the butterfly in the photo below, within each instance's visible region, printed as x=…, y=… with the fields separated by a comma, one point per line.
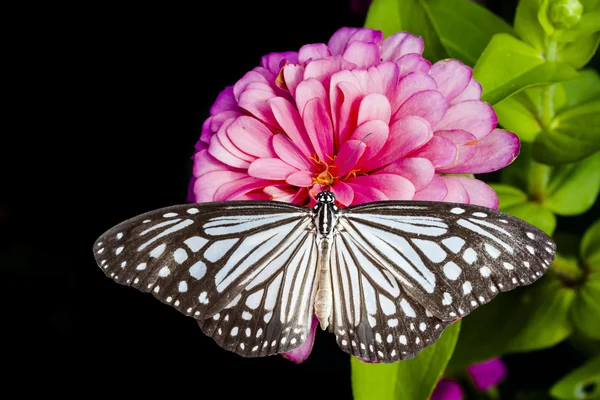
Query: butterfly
x=385, y=277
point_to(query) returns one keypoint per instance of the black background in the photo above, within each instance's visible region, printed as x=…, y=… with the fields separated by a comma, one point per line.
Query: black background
x=118, y=98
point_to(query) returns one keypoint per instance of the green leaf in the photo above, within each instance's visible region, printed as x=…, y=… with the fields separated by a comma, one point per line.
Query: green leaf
x=525, y=319
x=579, y=91
x=517, y=114
x=579, y=53
x=450, y=28
x=509, y=65
x=410, y=379
x=582, y=383
x=574, y=135
x=518, y=172
x=573, y=188
x=586, y=307
x=590, y=247
x=535, y=214
x=527, y=25
x=508, y=196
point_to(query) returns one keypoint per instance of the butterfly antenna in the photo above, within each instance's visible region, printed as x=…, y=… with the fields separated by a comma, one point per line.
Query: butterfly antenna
x=355, y=150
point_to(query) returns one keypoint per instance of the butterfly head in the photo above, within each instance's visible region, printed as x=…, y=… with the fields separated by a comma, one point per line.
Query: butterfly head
x=326, y=197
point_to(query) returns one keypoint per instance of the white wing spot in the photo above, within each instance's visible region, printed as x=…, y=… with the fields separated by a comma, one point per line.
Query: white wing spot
x=481, y=299
x=234, y=331
x=467, y=287
x=508, y=266
x=195, y=243
x=378, y=337
x=480, y=214
x=253, y=301
x=389, y=338
x=157, y=251
x=123, y=264
x=176, y=303
x=164, y=271
x=203, y=298
x=485, y=271
x=457, y=210
x=447, y=299
x=470, y=256
x=248, y=332
x=344, y=342
x=473, y=303
x=422, y=326
x=454, y=243
x=198, y=270
x=293, y=341
x=119, y=250
x=259, y=332
x=220, y=331
x=218, y=249
x=255, y=348
x=99, y=244
x=119, y=235
x=372, y=321
x=531, y=249
x=514, y=280
x=268, y=316
x=362, y=346
x=493, y=288
x=170, y=215
x=452, y=271
x=452, y=314
x=387, y=306
x=103, y=262
x=100, y=251
x=136, y=280
x=526, y=264
x=393, y=353
x=156, y=289
x=169, y=299
x=242, y=346
x=112, y=274
x=393, y=322
x=197, y=313
x=182, y=287
x=530, y=235
x=408, y=310
x=246, y=316
x=402, y=339
x=141, y=267
x=180, y=255
x=146, y=221
x=492, y=251
x=371, y=347
x=432, y=250
x=216, y=316
x=193, y=211
x=380, y=353
x=418, y=340
x=549, y=250
x=283, y=340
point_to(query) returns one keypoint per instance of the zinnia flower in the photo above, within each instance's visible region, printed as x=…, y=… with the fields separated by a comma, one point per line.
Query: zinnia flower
x=484, y=375
x=370, y=119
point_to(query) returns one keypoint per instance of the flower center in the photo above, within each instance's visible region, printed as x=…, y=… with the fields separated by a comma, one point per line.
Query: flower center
x=326, y=177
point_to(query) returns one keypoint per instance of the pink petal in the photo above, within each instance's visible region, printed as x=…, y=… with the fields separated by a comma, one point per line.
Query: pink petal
x=393, y=187
x=411, y=84
x=493, y=152
x=374, y=106
x=191, y=196
x=229, y=146
x=293, y=75
x=456, y=192
x=378, y=132
x=285, y=193
x=307, y=90
x=447, y=389
x=256, y=102
x=439, y=150
x=487, y=374
x=471, y=92
x=289, y=153
x=226, y=101
x=291, y=123
x=249, y=78
x=367, y=35
x=319, y=129
x=430, y=105
x=350, y=152
x=337, y=42
x=254, y=195
x=275, y=61
x=270, y=168
x=221, y=153
x=204, y=163
x=436, y=190
x=300, y=179
x=365, y=194
x=233, y=190
x=399, y=44
x=479, y=192
x=389, y=73
x=406, y=135
x=466, y=147
x=362, y=54
x=345, y=100
x=419, y=171
x=207, y=184
x=412, y=63
x=474, y=116
x=251, y=136
x=452, y=77
x=343, y=192
x=301, y=353
x=313, y=52
x=323, y=69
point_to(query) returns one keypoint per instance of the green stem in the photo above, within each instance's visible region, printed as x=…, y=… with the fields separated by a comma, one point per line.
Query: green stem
x=568, y=272
x=539, y=176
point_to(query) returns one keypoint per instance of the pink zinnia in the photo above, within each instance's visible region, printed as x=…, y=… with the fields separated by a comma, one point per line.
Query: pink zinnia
x=299, y=122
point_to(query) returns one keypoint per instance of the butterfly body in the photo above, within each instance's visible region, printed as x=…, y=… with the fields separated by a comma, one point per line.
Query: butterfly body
x=385, y=277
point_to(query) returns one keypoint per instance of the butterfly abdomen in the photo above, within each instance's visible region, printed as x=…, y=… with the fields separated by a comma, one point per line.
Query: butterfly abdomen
x=324, y=296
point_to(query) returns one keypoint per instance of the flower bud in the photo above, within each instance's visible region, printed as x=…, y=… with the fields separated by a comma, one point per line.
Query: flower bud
x=565, y=13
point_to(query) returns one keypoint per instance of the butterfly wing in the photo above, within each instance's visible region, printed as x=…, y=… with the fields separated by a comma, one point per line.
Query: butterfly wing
x=223, y=263
x=426, y=264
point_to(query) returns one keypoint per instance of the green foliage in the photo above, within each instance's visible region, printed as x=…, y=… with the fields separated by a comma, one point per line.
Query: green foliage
x=411, y=379
x=582, y=383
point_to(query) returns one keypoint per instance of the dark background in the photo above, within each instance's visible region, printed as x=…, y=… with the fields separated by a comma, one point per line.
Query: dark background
x=122, y=93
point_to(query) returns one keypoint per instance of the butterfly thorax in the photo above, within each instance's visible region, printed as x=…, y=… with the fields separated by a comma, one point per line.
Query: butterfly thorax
x=325, y=214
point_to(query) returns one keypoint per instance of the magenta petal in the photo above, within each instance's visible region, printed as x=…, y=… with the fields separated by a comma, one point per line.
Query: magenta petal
x=343, y=192
x=447, y=389
x=378, y=133
x=400, y=44
x=225, y=102
x=350, y=152
x=291, y=123
x=430, y=105
x=220, y=152
x=256, y=102
x=406, y=135
x=413, y=63
x=365, y=194
x=474, y=116
x=284, y=193
x=251, y=136
x=436, y=190
x=319, y=129
x=293, y=75
x=411, y=84
x=207, y=184
x=362, y=54
x=456, y=192
x=439, y=150
x=452, y=77
x=374, y=106
x=248, y=79
x=300, y=179
x=270, y=168
x=289, y=153
x=233, y=190
x=338, y=41
x=229, y=146
x=313, y=52
x=204, y=163
x=301, y=353
x=493, y=152
x=419, y=171
x=393, y=187
x=274, y=61
x=487, y=374
x=323, y=69
x=471, y=92
x=307, y=90
x=466, y=147
x=479, y=193
x=345, y=102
